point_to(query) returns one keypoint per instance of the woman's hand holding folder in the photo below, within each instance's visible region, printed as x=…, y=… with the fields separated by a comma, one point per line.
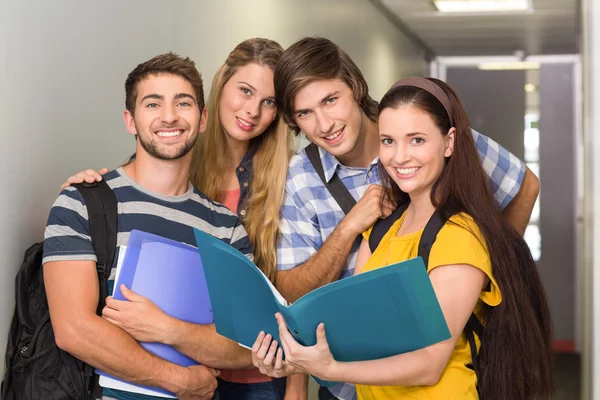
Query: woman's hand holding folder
x=315, y=360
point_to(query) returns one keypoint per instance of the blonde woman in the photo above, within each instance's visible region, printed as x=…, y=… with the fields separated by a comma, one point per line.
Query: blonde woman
x=241, y=161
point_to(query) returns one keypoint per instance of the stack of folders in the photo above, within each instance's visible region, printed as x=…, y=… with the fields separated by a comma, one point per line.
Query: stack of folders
x=377, y=314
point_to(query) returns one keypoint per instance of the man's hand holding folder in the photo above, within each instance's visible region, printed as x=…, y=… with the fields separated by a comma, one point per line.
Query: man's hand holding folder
x=138, y=316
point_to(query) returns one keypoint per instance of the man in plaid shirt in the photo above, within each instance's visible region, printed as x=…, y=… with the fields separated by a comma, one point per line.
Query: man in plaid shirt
x=321, y=92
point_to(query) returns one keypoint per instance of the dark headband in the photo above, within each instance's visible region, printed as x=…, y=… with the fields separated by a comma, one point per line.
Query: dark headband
x=431, y=88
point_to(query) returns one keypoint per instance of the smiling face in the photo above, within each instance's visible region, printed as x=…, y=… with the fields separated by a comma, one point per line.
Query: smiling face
x=413, y=149
x=330, y=117
x=167, y=117
x=247, y=104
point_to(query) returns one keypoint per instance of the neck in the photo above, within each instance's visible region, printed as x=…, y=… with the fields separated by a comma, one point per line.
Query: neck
x=367, y=145
x=167, y=177
x=420, y=207
x=237, y=151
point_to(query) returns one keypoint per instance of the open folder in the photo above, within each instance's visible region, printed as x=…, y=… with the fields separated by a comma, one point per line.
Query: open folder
x=377, y=314
x=170, y=274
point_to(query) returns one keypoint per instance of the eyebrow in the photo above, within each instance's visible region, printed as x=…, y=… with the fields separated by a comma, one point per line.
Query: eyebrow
x=178, y=96
x=407, y=135
x=323, y=100
x=329, y=95
x=249, y=85
x=152, y=96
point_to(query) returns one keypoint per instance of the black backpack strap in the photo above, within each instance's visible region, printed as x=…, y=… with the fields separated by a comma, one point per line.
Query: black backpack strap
x=382, y=226
x=335, y=186
x=473, y=326
x=101, y=205
x=435, y=223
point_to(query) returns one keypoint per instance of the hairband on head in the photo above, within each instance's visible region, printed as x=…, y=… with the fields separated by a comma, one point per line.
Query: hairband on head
x=431, y=88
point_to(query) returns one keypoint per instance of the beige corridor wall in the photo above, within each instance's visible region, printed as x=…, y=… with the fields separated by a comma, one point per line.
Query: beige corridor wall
x=63, y=64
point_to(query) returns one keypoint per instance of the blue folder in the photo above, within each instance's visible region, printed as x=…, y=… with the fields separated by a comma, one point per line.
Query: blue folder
x=377, y=314
x=170, y=274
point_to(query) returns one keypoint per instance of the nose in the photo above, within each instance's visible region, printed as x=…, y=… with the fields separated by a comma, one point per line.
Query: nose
x=325, y=123
x=401, y=154
x=253, y=109
x=169, y=115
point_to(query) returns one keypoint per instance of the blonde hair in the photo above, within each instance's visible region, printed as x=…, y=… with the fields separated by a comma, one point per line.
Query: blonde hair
x=270, y=161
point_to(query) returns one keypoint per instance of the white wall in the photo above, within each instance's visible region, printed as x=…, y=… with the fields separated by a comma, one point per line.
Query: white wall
x=63, y=64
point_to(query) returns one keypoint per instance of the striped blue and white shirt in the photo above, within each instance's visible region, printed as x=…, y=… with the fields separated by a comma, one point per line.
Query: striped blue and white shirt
x=310, y=214
x=68, y=237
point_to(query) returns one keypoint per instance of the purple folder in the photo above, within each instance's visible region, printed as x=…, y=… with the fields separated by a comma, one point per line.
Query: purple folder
x=170, y=274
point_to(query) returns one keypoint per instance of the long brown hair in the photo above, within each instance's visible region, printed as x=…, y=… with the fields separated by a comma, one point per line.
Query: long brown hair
x=515, y=359
x=270, y=161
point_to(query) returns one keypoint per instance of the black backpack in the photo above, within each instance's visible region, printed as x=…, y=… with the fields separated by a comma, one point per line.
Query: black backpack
x=345, y=200
x=35, y=368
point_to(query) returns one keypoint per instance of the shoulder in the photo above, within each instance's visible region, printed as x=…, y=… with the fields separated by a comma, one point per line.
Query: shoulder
x=460, y=241
x=300, y=170
x=461, y=229
x=303, y=184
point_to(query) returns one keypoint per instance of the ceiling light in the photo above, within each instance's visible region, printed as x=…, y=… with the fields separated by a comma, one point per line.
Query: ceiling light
x=529, y=87
x=509, y=65
x=467, y=6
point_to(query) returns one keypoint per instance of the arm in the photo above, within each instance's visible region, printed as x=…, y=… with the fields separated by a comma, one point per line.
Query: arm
x=364, y=253
x=205, y=345
x=457, y=288
x=518, y=211
x=328, y=262
x=514, y=186
x=296, y=387
x=72, y=292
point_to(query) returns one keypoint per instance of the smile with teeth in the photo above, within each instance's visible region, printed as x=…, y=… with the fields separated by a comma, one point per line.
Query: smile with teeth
x=334, y=135
x=407, y=171
x=249, y=125
x=169, y=133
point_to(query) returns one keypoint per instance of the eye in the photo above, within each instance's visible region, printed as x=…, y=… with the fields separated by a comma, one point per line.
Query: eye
x=151, y=105
x=387, y=141
x=331, y=100
x=184, y=104
x=417, y=140
x=269, y=103
x=246, y=91
x=302, y=113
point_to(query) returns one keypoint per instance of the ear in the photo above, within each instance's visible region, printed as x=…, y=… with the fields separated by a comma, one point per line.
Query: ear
x=129, y=122
x=450, y=142
x=203, y=120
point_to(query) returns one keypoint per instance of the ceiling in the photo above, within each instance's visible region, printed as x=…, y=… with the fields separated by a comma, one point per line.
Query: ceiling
x=551, y=28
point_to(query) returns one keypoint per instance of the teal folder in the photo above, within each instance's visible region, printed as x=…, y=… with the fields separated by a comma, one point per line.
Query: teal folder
x=376, y=314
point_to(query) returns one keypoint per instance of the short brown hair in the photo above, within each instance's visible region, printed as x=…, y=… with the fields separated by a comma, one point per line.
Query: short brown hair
x=169, y=63
x=313, y=59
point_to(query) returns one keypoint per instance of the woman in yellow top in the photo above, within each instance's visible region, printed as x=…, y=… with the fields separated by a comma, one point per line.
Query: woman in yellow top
x=478, y=263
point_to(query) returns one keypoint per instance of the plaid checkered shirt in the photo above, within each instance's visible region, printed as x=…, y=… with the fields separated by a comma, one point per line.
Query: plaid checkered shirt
x=310, y=214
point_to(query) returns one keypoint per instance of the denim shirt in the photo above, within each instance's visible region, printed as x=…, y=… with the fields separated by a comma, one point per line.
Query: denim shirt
x=244, y=173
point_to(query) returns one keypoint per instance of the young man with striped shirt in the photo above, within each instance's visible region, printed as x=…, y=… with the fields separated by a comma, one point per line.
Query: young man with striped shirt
x=165, y=111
